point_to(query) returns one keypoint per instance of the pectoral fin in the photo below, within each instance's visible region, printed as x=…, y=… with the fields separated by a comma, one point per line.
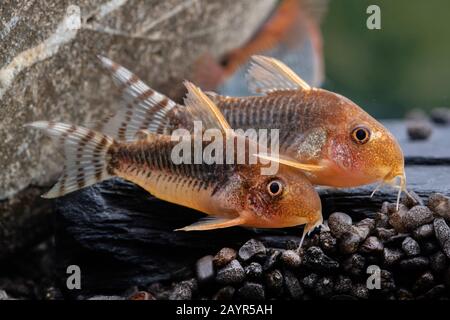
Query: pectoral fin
x=291, y=163
x=210, y=223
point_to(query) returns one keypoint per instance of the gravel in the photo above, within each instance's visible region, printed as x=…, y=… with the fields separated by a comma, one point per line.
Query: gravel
x=410, y=246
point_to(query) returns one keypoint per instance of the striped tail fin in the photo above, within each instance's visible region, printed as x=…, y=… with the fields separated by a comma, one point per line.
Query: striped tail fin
x=143, y=108
x=85, y=152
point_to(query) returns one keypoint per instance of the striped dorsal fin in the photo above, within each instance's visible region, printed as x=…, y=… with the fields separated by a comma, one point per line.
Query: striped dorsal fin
x=201, y=107
x=267, y=75
x=143, y=108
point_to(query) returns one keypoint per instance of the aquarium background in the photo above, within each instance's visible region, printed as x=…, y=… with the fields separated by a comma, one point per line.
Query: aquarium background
x=403, y=66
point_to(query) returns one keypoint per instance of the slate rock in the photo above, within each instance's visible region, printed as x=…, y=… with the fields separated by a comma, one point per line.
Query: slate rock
x=251, y=248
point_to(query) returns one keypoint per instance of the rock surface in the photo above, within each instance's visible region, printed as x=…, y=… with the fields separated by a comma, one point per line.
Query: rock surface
x=49, y=71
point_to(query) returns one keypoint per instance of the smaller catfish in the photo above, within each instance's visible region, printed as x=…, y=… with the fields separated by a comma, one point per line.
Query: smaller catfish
x=230, y=194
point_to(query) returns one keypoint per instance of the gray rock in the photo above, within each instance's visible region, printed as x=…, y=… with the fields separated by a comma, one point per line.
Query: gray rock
x=251, y=248
x=360, y=291
x=231, y=273
x=224, y=256
x=339, y=223
x=415, y=264
x=387, y=281
x=316, y=259
x=391, y=256
x=251, y=291
x=438, y=262
x=419, y=130
x=440, y=204
x=254, y=270
x=411, y=199
x=274, y=282
x=372, y=245
x=3, y=295
x=423, y=232
x=349, y=242
x=417, y=216
x=225, y=293
x=291, y=259
x=324, y=287
x=343, y=284
x=204, y=269
x=442, y=231
x=309, y=281
x=292, y=286
x=410, y=247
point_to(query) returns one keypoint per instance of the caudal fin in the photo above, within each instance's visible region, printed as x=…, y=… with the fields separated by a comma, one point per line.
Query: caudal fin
x=85, y=153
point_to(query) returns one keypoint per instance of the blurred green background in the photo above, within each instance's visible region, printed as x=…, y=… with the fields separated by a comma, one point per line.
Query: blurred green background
x=404, y=65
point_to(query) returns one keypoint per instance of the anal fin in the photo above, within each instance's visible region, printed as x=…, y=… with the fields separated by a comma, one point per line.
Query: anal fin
x=210, y=223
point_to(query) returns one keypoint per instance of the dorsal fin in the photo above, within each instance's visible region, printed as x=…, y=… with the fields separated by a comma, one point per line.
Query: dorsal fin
x=143, y=108
x=202, y=108
x=266, y=75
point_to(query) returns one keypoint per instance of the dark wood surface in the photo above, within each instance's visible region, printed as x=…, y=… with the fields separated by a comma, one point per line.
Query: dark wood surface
x=121, y=236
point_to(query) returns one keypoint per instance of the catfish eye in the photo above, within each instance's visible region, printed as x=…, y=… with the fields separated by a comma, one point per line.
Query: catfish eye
x=361, y=135
x=275, y=188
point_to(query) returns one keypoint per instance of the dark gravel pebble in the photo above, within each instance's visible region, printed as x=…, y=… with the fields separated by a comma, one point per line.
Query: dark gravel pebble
x=324, y=287
x=410, y=247
x=360, y=291
x=354, y=265
x=424, y=282
x=204, y=269
x=224, y=256
x=391, y=256
x=411, y=199
x=438, y=262
x=251, y=248
x=419, y=129
x=404, y=294
x=434, y=293
x=372, y=245
x=384, y=234
x=339, y=223
x=183, y=290
x=415, y=264
x=251, y=291
x=253, y=271
x=316, y=259
x=274, y=282
x=343, y=284
x=442, y=231
x=225, y=293
x=417, y=216
x=309, y=281
x=440, y=115
x=387, y=281
x=381, y=220
x=423, y=232
x=292, y=285
x=327, y=242
x=429, y=247
x=440, y=205
x=291, y=259
x=272, y=260
x=349, y=242
x=231, y=273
